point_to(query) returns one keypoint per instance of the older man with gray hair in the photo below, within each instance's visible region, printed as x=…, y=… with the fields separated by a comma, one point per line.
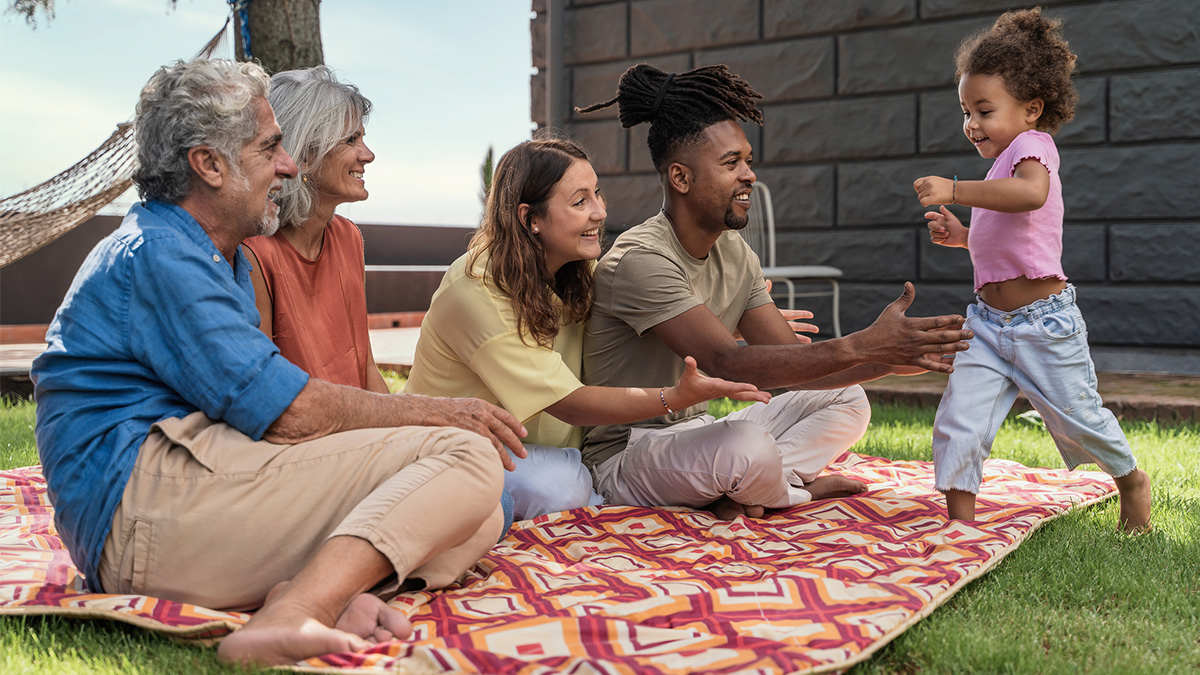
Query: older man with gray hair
x=188, y=460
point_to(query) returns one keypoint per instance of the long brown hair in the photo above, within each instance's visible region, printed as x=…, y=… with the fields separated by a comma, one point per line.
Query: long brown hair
x=516, y=264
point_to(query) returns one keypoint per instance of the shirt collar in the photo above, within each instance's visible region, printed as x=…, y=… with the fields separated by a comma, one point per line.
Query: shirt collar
x=180, y=220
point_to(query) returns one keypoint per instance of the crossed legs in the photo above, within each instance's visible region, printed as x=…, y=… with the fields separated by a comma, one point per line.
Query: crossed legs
x=214, y=518
x=764, y=456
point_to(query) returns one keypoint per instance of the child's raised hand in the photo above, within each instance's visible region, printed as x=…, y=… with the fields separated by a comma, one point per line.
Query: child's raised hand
x=946, y=229
x=934, y=190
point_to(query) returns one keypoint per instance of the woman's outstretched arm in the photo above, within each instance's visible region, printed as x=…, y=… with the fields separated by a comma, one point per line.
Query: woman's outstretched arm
x=590, y=406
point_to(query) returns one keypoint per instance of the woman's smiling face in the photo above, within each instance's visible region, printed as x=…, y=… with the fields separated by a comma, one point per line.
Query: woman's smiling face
x=339, y=177
x=570, y=229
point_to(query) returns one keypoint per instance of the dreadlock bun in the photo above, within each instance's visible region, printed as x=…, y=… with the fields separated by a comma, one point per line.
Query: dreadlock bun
x=680, y=107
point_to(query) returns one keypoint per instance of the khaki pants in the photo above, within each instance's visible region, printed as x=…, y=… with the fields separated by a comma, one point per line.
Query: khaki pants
x=759, y=456
x=214, y=518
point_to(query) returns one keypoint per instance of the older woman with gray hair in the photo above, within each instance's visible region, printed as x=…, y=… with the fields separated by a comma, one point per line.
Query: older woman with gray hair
x=309, y=276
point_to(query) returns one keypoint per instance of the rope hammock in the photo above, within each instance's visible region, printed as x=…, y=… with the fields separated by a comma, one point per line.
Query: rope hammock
x=36, y=217
x=41, y=214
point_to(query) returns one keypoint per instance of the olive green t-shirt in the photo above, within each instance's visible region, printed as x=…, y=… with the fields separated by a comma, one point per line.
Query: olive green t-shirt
x=646, y=278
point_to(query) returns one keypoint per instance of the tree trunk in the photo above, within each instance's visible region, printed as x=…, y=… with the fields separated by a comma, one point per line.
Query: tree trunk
x=284, y=34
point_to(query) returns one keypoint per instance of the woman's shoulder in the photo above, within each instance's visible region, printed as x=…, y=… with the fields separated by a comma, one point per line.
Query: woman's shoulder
x=342, y=227
x=266, y=248
x=461, y=286
x=469, y=302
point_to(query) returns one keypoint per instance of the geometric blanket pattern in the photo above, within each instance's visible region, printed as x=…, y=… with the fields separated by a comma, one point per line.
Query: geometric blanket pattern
x=814, y=588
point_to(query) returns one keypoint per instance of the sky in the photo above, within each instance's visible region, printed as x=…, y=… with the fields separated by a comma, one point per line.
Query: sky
x=447, y=81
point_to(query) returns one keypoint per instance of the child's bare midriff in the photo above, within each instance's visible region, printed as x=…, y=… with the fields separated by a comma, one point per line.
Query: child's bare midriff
x=1016, y=293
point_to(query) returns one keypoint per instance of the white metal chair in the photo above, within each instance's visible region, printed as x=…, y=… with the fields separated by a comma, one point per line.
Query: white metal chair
x=760, y=234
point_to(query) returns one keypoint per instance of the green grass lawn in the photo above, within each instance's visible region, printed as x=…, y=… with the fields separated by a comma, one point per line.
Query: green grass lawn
x=1076, y=597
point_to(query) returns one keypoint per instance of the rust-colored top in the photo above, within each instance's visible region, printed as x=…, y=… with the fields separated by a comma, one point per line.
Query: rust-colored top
x=320, y=306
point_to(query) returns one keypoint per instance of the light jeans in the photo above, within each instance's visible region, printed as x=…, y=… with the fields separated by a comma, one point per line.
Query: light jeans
x=549, y=480
x=1040, y=350
x=762, y=455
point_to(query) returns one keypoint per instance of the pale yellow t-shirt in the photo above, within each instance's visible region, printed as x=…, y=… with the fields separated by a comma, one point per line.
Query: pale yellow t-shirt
x=469, y=347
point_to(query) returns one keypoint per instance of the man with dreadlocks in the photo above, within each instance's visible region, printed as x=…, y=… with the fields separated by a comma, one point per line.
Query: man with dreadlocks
x=679, y=285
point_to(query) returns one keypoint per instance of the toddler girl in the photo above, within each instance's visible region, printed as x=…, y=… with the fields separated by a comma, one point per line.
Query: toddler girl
x=1014, y=84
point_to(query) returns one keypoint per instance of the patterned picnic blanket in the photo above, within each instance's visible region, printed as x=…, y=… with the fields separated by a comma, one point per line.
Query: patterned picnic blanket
x=815, y=588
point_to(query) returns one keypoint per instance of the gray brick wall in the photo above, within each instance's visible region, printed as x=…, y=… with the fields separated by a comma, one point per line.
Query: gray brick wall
x=860, y=101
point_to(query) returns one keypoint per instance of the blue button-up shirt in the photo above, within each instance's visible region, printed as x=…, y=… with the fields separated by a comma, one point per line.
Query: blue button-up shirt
x=156, y=324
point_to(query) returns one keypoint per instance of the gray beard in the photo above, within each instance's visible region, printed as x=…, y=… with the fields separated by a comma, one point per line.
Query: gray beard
x=269, y=223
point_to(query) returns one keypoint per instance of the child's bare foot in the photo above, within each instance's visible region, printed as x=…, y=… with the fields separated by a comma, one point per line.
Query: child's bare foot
x=1135, y=502
x=281, y=634
x=960, y=505
x=833, y=486
x=727, y=509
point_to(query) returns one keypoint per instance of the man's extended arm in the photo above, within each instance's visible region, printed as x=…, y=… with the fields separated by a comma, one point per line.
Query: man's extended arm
x=323, y=408
x=763, y=327
x=773, y=361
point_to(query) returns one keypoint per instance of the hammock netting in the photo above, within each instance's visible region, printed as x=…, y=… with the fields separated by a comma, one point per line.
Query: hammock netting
x=36, y=217
x=43, y=213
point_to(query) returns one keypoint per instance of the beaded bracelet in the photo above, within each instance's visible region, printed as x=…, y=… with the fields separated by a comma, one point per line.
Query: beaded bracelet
x=662, y=396
x=953, y=190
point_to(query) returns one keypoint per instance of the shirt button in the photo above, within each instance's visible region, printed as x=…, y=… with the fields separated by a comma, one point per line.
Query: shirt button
x=216, y=258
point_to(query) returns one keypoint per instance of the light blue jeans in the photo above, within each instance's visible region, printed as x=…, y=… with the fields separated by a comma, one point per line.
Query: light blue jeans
x=549, y=480
x=1040, y=350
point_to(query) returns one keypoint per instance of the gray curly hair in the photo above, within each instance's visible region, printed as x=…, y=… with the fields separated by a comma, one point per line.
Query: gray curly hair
x=187, y=104
x=316, y=112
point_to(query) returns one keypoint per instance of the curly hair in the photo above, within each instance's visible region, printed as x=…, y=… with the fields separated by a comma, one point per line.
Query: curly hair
x=1029, y=52
x=316, y=112
x=190, y=103
x=516, y=264
x=680, y=107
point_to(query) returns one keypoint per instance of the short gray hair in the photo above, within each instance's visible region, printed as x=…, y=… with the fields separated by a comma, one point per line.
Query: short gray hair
x=316, y=112
x=191, y=103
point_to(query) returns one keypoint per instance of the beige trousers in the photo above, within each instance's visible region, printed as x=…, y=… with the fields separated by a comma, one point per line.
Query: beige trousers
x=759, y=456
x=214, y=518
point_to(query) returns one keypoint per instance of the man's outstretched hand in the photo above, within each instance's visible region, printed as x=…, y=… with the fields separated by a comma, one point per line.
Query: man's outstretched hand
x=901, y=340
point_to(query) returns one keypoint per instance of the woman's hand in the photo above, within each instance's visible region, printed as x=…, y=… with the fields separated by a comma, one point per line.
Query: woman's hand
x=694, y=387
x=945, y=229
x=792, y=317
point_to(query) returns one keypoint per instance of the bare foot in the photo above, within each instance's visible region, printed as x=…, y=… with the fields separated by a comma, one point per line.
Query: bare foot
x=727, y=509
x=282, y=634
x=371, y=618
x=833, y=486
x=367, y=616
x=1135, y=502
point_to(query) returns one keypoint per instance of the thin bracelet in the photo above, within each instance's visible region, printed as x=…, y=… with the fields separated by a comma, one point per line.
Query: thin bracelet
x=953, y=190
x=662, y=396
